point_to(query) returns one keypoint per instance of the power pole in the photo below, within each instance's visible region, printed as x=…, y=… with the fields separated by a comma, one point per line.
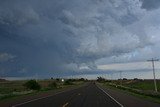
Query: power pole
x=120, y=77
x=153, y=60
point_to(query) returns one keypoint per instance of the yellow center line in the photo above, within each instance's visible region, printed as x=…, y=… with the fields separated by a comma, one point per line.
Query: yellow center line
x=65, y=105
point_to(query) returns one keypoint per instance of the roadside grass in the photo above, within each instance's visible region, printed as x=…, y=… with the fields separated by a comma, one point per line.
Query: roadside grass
x=141, y=88
x=11, y=89
x=11, y=86
x=139, y=84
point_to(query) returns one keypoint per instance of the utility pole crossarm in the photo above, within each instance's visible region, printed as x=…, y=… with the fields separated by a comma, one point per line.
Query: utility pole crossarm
x=153, y=60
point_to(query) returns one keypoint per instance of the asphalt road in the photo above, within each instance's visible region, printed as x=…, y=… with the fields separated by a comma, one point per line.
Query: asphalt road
x=89, y=95
x=86, y=96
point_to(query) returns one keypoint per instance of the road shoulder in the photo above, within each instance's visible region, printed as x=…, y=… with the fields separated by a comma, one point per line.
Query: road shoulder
x=128, y=100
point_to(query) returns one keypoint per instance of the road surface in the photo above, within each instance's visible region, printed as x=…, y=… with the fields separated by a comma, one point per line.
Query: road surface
x=86, y=96
x=89, y=95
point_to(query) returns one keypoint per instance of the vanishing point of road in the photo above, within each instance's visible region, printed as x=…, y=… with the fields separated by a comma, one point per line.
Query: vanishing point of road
x=89, y=95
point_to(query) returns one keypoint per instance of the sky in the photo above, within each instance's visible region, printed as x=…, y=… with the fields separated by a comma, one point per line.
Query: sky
x=79, y=37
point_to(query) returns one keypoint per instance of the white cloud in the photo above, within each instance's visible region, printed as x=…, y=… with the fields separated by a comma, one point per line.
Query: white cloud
x=126, y=66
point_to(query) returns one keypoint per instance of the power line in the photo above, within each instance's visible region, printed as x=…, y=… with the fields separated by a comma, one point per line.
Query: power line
x=153, y=60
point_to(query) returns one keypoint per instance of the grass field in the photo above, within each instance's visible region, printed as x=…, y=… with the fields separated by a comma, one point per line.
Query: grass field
x=11, y=86
x=139, y=84
x=15, y=88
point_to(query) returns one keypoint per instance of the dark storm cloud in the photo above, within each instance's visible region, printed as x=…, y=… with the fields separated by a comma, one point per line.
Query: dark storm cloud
x=150, y=4
x=47, y=35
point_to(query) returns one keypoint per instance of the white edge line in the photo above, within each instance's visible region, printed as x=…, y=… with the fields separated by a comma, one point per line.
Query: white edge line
x=16, y=105
x=110, y=96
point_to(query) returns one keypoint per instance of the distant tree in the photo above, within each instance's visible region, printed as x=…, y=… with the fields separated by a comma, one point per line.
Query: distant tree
x=135, y=79
x=57, y=79
x=32, y=84
x=100, y=79
x=68, y=82
x=86, y=79
x=124, y=78
x=53, y=85
x=72, y=80
x=2, y=80
x=81, y=79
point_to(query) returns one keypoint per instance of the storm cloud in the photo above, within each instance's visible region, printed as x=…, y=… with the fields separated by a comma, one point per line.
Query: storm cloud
x=150, y=4
x=63, y=35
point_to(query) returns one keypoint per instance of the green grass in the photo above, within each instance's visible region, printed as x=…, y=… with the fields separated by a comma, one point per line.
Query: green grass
x=11, y=86
x=146, y=85
x=10, y=89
